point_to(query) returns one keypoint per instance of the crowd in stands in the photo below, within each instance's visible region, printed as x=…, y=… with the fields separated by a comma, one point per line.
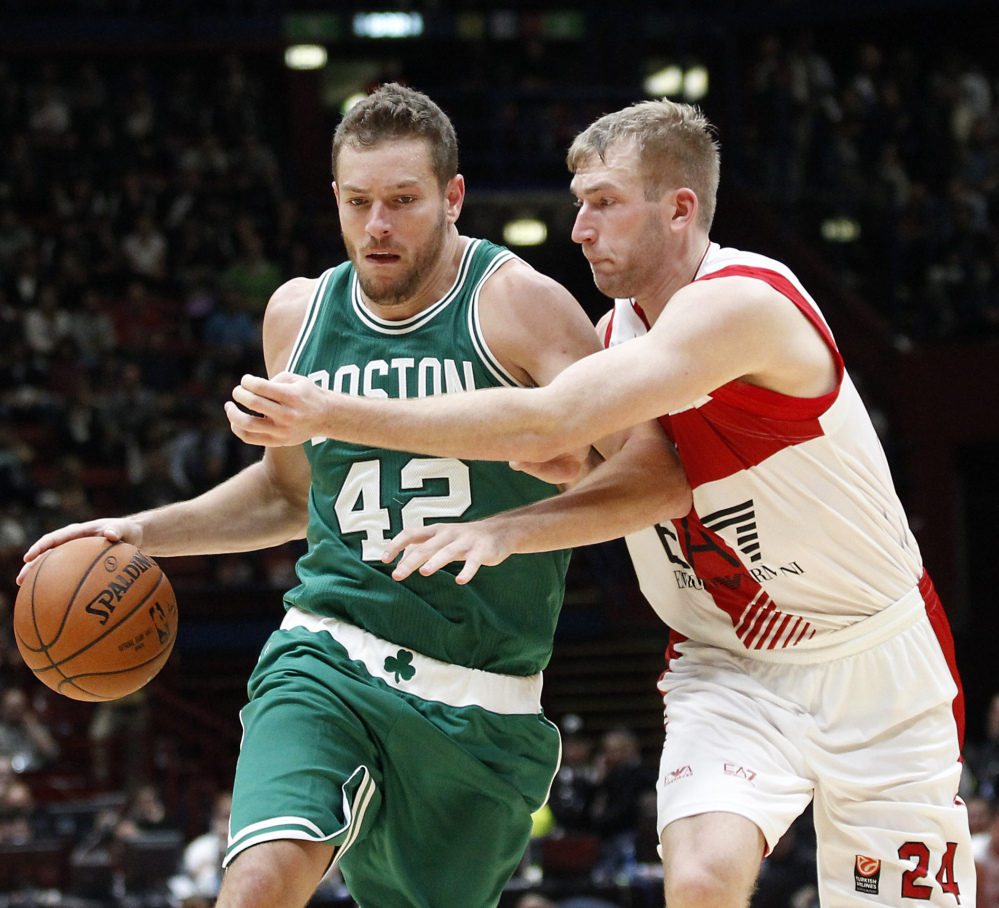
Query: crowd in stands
x=899, y=148
x=147, y=213
x=143, y=225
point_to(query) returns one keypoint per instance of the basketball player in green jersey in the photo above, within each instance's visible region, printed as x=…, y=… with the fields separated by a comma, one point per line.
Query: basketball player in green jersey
x=397, y=727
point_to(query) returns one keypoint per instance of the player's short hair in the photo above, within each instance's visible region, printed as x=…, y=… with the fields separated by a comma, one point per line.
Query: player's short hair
x=675, y=144
x=394, y=111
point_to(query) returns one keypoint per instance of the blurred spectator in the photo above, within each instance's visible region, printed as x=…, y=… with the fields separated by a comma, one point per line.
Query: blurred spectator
x=144, y=812
x=15, y=237
x=22, y=820
x=98, y=858
x=134, y=407
x=987, y=865
x=982, y=759
x=619, y=779
x=231, y=332
x=979, y=822
x=118, y=729
x=7, y=776
x=252, y=276
x=200, y=453
x=788, y=875
x=208, y=159
x=145, y=250
x=24, y=738
x=572, y=789
x=16, y=457
x=620, y=783
x=92, y=330
x=155, y=486
x=48, y=113
x=201, y=866
x=66, y=499
x=11, y=664
x=536, y=900
x=46, y=323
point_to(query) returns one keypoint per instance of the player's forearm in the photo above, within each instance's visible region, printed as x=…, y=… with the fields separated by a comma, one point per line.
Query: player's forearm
x=498, y=424
x=245, y=513
x=641, y=485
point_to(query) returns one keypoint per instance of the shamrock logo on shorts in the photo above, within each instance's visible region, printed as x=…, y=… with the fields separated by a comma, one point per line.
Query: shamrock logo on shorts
x=401, y=665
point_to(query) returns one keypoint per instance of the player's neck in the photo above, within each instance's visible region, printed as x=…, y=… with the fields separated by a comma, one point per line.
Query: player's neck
x=678, y=270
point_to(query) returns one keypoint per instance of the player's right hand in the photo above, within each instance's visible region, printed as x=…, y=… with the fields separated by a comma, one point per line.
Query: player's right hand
x=119, y=529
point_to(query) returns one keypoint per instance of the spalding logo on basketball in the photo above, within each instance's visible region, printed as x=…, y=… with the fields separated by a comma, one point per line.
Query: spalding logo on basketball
x=95, y=620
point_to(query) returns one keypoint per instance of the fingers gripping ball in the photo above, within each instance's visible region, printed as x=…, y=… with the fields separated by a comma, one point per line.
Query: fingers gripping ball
x=95, y=620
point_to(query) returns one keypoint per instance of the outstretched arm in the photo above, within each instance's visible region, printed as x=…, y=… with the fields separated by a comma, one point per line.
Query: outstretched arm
x=639, y=484
x=709, y=334
x=266, y=504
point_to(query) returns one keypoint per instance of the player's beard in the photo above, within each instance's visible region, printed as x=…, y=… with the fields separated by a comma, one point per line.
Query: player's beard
x=403, y=288
x=644, y=257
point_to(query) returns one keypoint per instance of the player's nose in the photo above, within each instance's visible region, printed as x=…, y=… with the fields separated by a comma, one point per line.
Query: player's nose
x=379, y=223
x=582, y=228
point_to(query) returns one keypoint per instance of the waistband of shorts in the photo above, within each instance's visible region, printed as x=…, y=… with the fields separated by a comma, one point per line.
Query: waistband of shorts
x=411, y=672
x=854, y=638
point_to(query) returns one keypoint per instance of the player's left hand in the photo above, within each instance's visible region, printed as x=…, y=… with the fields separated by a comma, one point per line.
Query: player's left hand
x=286, y=410
x=431, y=548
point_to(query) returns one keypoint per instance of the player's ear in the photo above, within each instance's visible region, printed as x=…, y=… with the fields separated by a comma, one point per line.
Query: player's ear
x=454, y=194
x=336, y=193
x=683, y=207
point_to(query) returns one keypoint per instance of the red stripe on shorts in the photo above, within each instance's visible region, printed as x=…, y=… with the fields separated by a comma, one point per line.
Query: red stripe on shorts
x=941, y=627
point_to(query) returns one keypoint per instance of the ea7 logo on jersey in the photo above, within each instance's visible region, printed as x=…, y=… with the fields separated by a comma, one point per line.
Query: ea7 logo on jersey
x=674, y=775
x=743, y=518
x=866, y=874
x=740, y=772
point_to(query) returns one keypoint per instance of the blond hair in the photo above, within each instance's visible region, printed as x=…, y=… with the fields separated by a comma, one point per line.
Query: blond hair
x=675, y=145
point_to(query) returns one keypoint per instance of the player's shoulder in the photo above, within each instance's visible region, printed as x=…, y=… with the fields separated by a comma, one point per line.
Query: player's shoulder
x=517, y=283
x=286, y=310
x=294, y=292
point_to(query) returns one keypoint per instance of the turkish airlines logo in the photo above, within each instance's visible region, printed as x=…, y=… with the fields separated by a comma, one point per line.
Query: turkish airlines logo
x=866, y=874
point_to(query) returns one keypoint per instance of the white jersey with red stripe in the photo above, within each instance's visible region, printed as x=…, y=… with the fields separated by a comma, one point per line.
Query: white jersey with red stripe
x=797, y=547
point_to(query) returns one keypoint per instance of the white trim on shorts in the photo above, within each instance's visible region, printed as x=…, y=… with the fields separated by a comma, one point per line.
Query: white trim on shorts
x=281, y=828
x=455, y=685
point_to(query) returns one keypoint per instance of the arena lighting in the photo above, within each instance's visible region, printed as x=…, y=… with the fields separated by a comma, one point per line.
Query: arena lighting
x=672, y=81
x=695, y=83
x=525, y=232
x=840, y=230
x=305, y=56
x=350, y=101
x=388, y=25
x=664, y=82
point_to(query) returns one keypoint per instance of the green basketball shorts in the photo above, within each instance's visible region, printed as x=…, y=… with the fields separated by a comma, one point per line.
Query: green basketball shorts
x=423, y=774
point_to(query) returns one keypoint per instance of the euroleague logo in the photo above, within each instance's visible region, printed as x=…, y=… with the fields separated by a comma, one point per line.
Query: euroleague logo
x=866, y=874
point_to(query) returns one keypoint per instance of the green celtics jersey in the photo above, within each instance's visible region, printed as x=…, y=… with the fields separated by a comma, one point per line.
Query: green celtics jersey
x=504, y=619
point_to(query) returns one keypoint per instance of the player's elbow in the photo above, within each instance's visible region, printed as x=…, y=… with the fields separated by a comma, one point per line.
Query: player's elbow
x=680, y=502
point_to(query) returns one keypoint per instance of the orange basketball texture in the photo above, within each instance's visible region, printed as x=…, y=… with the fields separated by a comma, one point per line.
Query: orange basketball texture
x=95, y=620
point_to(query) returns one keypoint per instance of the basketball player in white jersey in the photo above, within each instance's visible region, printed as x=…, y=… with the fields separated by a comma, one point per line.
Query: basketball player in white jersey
x=810, y=659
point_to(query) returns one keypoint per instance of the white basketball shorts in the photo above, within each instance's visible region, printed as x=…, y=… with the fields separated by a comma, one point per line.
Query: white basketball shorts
x=870, y=738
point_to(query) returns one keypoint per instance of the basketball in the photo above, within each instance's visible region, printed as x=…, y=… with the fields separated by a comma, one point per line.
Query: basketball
x=95, y=620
